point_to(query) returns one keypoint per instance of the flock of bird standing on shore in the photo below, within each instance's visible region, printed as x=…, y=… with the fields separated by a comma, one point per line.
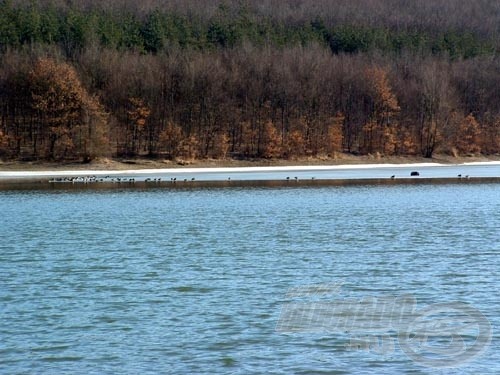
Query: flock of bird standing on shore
x=132, y=180
x=109, y=179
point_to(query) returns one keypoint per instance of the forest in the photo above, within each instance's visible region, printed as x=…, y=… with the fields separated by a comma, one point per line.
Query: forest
x=198, y=79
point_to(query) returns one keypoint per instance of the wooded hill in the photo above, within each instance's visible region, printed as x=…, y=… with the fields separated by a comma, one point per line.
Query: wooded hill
x=264, y=78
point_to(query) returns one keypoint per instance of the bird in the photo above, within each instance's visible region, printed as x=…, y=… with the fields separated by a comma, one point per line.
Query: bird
x=393, y=177
x=192, y=179
x=459, y=176
x=288, y=178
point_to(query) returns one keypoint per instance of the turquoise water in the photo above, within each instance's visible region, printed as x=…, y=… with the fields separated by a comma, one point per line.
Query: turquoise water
x=193, y=281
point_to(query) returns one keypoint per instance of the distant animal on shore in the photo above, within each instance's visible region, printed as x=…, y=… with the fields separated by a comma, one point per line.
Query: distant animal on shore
x=414, y=173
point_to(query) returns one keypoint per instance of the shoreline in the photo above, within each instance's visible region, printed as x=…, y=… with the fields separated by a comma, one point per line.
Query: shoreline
x=109, y=164
x=374, y=173
x=189, y=170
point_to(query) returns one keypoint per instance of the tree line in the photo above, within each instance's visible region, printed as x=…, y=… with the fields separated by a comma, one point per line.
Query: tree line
x=256, y=94
x=342, y=26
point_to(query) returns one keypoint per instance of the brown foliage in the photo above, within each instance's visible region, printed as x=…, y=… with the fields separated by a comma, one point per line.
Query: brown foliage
x=335, y=137
x=189, y=148
x=271, y=141
x=467, y=138
x=171, y=140
x=69, y=120
x=296, y=145
x=248, y=101
x=221, y=145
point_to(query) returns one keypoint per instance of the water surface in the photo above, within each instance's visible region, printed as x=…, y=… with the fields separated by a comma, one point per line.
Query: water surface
x=193, y=280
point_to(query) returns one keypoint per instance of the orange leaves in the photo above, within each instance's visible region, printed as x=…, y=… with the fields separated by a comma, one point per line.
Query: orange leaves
x=139, y=112
x=385, y=106
x=190, y=147
x=467, y=139
x=56, y=89
x=221, y=145
x=385, y=102
x=171, y=139
x=71, y=121
x=296, y=145
x=380, y=83
x=271, y=141
x=335, y=136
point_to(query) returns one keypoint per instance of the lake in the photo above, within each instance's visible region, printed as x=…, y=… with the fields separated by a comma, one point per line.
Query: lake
x=203, y=280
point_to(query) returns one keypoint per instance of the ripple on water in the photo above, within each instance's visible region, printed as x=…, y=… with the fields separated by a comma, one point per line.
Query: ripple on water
x=194, y=281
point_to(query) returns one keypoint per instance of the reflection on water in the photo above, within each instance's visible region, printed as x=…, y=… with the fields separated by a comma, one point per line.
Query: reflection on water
x=193, y=280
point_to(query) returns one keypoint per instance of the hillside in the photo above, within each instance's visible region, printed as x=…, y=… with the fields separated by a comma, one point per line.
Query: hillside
x=248, y=79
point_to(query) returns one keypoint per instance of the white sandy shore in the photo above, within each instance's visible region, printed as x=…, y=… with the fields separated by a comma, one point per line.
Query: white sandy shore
x=144, y=172
x=338, y=172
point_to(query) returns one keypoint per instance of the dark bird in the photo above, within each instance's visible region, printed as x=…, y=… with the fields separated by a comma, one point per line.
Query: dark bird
x=393, y=177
